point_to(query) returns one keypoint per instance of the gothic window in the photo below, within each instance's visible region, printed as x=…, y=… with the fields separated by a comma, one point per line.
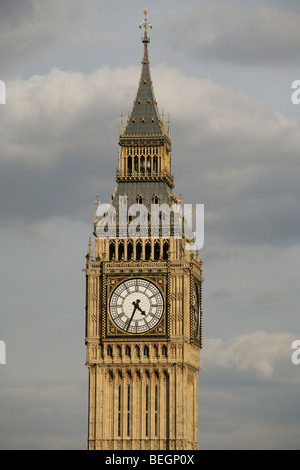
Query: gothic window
x=155, y=410
x=128, y=351
x=120, y=250
x=142, y=164
x=155, y=164
x=129, y=250
x=148, y=165
x=165, y=250
x=129, y=165
x=136, y=165
x=128, y=410
x=156, y=250
x=164, y=350
x=148, y=251
x=109, y=351
x=119, y=410
x=139, y=199
x=112, y=250
x=139, y=250
x=147, y=411
x=155, y=199
x=146, y=350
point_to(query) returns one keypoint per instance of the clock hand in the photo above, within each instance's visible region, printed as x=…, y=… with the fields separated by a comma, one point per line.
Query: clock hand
x=138, y=307
x=142, y=311
x=135, y=307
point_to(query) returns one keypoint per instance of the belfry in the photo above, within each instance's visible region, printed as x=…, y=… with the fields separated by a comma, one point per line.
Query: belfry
x=143, y=297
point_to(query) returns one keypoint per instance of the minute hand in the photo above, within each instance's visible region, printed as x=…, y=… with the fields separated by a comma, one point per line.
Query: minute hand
x=135, y=307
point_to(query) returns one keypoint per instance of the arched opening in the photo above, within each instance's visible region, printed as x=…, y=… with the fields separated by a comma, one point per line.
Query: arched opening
x=129, y=165
x=165, y=250
x=112, y=251
x=121, y=250
x=139, y=250
x=148, y=251
x=148, y=165
x=136, y=165
x=156, y=250
x=142, y=163
x=129, y=250
x=155, y=164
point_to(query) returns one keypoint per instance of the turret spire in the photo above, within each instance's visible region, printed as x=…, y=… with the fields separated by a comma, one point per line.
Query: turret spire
x=144, y=120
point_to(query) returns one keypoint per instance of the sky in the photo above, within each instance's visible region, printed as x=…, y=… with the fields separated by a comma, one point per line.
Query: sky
x=223, y=72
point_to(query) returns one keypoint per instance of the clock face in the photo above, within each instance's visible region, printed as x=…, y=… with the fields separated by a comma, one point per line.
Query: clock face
x=196, y=309
x=136, y=306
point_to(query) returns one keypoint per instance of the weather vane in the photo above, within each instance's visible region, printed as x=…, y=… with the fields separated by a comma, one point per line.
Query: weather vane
x=146, y=22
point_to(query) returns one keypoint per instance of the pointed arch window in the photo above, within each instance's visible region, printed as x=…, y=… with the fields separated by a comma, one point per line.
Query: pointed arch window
x=148, y=251
x=149, y=165
x=147, y=411
x=156, y=250
x=129, y=165
x=139, y=250
x=166, y=250
x=156, y=410
x=119, y=409
x=136, y=165
x=128, y=409
x=112, y=250
x=155, y=164
x=121, y=250
x=142, y=163
x=129, y=250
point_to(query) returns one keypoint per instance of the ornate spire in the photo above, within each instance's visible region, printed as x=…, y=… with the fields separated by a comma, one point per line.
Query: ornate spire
x=144, y=120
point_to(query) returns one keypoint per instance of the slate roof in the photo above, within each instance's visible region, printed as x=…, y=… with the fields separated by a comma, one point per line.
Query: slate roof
x=144, y=119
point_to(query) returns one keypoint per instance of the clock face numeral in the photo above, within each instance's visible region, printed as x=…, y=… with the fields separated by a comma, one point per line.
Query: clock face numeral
x=136, y=306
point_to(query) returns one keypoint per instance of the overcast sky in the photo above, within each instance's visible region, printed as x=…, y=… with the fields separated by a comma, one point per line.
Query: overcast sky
x=223, y=71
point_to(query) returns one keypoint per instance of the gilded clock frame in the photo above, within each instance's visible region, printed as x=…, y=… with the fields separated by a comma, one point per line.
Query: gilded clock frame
x=111, y=281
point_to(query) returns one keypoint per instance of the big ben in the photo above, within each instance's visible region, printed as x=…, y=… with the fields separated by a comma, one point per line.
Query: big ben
x=143, y=297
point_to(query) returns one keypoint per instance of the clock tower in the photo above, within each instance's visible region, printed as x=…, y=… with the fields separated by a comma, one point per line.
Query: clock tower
x=143, y=297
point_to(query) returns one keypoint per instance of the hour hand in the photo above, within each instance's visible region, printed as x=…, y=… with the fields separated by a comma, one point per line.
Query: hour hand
x=142, y=311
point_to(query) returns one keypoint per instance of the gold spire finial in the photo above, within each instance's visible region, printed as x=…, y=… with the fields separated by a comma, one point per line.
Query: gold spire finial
x=146, y=22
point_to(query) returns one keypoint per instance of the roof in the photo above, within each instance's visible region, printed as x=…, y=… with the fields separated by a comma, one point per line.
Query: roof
x=144, y=119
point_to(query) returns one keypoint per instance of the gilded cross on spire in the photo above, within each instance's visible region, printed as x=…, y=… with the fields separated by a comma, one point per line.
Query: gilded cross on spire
x=146, y=23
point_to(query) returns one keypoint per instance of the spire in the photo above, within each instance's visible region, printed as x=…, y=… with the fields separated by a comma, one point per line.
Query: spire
x=144, y=120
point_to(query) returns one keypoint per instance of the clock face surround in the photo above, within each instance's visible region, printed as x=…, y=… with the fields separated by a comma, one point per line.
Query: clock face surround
x=136, y=305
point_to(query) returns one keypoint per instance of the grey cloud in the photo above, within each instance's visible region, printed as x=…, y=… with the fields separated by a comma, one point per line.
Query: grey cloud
x=45, y=413
x=233, y=33
x=30, y=28
x=59, y=130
